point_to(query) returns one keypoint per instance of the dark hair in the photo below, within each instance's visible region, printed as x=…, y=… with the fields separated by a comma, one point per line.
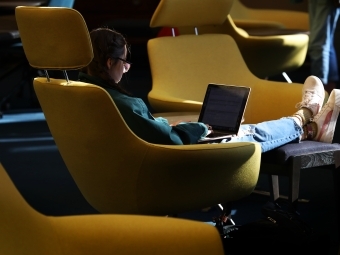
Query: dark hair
x=106, y=43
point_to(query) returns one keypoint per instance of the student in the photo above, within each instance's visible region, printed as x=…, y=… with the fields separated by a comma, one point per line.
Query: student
x=110, y=62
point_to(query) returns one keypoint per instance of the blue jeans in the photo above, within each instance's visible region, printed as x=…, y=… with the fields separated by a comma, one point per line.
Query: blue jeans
x=270, y=134
x=323, y=17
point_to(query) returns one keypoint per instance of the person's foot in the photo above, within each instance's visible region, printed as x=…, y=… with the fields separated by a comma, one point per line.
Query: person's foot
x=313, y=94
x=326, y=119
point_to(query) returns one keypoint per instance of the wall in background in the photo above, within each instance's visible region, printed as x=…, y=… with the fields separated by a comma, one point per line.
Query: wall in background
x=99, y=12
x=277, y=4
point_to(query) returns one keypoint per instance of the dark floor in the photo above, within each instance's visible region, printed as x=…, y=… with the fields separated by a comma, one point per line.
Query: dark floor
x=31, y=158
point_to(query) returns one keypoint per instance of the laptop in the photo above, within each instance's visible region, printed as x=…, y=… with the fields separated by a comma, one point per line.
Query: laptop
x=223, y=109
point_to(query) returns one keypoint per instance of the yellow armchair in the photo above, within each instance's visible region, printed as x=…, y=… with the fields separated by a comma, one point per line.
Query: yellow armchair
x=257, y=51
x=184, y=65
x=116, y=171
x=250, y=18
x=26, y=231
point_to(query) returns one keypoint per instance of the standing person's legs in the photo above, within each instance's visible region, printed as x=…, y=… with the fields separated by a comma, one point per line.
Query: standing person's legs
x=323, y=18
x=333, y=75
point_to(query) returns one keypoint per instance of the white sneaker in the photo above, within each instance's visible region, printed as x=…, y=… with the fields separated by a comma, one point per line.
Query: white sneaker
x=326, y=119
x=313, y=94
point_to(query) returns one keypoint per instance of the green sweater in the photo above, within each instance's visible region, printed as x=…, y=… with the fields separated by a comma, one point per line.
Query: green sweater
x=139, y=119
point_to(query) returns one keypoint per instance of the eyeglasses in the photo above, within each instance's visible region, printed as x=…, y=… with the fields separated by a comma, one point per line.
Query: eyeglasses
x=125, y=61
x=126, y=64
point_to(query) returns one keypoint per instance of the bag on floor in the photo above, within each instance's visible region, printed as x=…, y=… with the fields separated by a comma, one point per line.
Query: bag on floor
x=279, y=232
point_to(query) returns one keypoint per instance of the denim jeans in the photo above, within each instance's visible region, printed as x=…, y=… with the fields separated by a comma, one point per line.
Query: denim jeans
x=323, y=20
x=270, y=134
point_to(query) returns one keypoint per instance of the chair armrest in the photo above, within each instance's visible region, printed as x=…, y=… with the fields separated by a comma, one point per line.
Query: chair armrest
x=181, y=174
x=289, y=19
x=166, y=103
x=122, y=234
x=258, y=24
x=279, y=45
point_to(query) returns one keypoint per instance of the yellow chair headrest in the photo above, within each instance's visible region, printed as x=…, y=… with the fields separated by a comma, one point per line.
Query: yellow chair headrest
x=181, y=13
x=54, y=38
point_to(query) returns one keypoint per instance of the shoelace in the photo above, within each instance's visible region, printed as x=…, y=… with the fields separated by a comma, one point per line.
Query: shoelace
x=307, y=97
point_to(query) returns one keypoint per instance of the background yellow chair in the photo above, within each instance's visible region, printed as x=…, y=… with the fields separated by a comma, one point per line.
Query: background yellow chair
x=251, y=18
x=184, y=65
x=116, y=171
x=289, y=51
x=26, y=231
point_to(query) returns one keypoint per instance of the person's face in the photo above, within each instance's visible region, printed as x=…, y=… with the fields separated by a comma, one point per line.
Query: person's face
x=117, y=67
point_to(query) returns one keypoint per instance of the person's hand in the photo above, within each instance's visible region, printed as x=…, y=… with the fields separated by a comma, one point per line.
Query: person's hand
x=210, y=130
x=177, y=122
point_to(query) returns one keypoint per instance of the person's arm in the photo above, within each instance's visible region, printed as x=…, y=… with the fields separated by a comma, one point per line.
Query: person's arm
x=141, y=122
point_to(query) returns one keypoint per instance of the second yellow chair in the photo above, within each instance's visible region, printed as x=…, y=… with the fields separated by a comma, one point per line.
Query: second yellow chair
x=264, y=56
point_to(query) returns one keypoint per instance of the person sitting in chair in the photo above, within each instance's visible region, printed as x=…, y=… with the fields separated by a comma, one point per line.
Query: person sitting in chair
x=310, y=121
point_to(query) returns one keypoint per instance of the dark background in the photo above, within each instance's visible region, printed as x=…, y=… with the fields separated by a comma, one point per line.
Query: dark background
x=131, y=18
x=31, y=158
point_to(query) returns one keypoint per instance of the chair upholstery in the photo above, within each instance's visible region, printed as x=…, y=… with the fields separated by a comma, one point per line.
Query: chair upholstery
x=26, y=231
x=116, y=171
x=251, y=18
x=289, y=50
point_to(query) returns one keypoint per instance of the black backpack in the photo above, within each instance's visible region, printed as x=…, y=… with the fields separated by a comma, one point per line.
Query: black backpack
x=279, y=232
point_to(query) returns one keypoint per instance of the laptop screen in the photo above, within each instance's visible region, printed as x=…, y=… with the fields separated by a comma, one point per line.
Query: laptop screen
x=223, y=107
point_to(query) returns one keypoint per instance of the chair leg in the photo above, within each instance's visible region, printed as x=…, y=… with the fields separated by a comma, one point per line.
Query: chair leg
x=274, y=187
x=294, y=182
x=224, y=219
x=336, y=179
x=226, y=211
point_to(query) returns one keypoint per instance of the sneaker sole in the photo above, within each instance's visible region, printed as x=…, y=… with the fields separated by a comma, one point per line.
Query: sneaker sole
x=328, y=127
